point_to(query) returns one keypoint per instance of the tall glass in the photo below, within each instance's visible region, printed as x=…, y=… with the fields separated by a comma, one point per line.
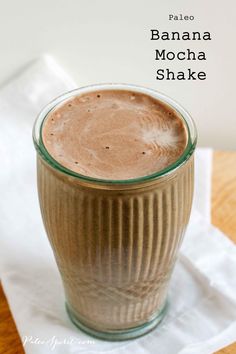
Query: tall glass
x=115, y=241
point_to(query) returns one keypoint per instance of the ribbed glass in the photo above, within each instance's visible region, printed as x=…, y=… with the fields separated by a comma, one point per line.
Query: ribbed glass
x=116, y=242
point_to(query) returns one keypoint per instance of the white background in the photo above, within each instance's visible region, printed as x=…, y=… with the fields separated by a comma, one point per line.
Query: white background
x=109, y=41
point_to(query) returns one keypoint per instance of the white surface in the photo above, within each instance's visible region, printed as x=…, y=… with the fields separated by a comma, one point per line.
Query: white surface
x=109, y=41
x=202, y=313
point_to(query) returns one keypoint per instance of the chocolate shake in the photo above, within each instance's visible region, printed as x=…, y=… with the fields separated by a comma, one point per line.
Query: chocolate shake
x=114, y=134
x=115, y=181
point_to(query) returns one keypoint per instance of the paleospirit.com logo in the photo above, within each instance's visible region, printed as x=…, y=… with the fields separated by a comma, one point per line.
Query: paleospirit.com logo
x=53, y=342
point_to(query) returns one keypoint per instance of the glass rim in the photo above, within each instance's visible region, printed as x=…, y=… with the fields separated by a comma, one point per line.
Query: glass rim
x=185, y=116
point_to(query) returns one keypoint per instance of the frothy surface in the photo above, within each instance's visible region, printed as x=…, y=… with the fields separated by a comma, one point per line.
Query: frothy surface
x=114, y=134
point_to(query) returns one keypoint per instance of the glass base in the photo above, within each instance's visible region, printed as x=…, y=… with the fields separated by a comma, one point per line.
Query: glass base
x=117, y=335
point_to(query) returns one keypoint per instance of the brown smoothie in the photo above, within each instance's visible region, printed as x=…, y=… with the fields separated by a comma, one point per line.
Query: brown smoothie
x=115, y=244
x=114, y=134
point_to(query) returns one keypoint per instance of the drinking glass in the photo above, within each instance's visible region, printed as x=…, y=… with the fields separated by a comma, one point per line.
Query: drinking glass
x=115, y=241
